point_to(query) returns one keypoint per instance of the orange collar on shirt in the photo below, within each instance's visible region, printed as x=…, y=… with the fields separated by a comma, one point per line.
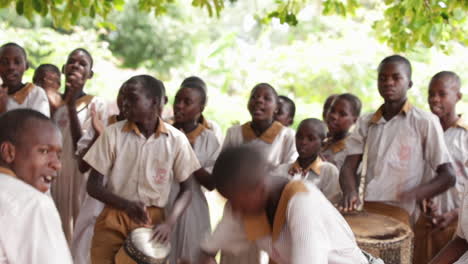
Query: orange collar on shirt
x=192, y=136
x=83, y=102
x=112, y=120
x=462, y=123
x=7, y=171
x=334, y=146
x=268, y=136
x=130, y=126
x=314, y=166
x=378, y=115
x=22, y=93
x=258, y=226
x=204, y=122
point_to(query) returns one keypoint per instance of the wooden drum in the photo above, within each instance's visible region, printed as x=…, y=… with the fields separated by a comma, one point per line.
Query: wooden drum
x=383, y=236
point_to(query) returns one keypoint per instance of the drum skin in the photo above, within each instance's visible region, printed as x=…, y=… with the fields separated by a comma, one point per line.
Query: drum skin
x=382, y=235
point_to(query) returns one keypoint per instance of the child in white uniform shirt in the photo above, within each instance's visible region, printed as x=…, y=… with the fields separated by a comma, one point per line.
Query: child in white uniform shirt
x=30, y=145
x=290, y=220
x=309, y=139
x=13, y=92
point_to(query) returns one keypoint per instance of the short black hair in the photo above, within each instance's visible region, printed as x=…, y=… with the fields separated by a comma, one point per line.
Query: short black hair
x=227, y=171
x=15, y=45
x=355, y=102
x=397, y=59
x=317, y=124
x=85, y=52
x=267, y=85
x=154, y=88
x=14, y=124
x=449, y=75
x=291, y=105
x=198, y=84
x=327, y=104
x=44, y=68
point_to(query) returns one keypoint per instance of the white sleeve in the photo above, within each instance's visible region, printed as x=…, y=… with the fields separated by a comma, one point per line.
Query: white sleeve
x=40, y=102
x=435, y=148
x=36, y=235
x=229, y=139
x=289, y=147
x=310, y=242
x=329, y=182
x=228, y=236
x=356, y=141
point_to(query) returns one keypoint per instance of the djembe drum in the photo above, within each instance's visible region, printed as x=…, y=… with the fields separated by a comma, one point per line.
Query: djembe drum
x=142, y=250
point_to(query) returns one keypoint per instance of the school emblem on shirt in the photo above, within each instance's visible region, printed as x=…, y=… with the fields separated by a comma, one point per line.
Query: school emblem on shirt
x=405, y=152
x=161, y=176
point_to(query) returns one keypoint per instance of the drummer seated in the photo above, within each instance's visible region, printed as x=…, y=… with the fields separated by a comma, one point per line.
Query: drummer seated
x=31, y=232
x=291, y=220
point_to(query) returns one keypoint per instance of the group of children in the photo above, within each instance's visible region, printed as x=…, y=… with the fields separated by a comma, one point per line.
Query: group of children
x=113, y=172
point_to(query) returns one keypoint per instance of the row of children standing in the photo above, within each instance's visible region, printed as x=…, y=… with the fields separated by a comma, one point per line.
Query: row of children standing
x=140, y=167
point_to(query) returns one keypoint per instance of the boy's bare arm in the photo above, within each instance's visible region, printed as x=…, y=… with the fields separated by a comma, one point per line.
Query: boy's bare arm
x=3, y=99
x=349, y=183
x=182, y=201
x=443, y=181
x=135, y=210
x=204, y=178
x=452, y=252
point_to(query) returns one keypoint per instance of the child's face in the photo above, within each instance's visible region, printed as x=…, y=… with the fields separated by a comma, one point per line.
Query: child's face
x=48, y=80
x=37, y=158
x=137, y=105
x=393, y=82
x=283, y=115
x=442, y=97
x=187, y=105
x=308, y=142
x=78, y=62
x=340, y=117
x=262, y=104
x=12, y=66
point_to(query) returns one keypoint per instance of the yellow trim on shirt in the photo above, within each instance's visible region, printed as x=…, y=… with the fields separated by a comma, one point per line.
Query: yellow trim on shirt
x=131, y=126
x=268, y=136
x=378, y=114
x=20, y=95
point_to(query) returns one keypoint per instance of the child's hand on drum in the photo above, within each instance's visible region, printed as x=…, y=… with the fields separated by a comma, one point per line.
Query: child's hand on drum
x=162, y=233
x=138, y=213
x=441, y=221
x=350, y=202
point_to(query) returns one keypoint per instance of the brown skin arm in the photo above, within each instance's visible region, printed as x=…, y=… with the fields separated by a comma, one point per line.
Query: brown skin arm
x=83, y=166
x=75, y=126
x=451, y=252
x=135, y=210
x=206, y=258
x=204, y=178
x=349, y=183
x=3, y=99
x=163, y=231
x=443, y=181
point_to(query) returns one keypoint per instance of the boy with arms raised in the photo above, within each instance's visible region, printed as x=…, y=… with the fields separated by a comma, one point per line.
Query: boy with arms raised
x=30, y=145
x=140, y=157
x=399, y=140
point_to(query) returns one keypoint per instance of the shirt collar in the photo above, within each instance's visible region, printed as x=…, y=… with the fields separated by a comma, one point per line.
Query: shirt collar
x=267, y=136
x=378, y=114
x=131, y=126
x=7, y=171
x=258, y=226
x=204, y=122
x=461, y=123
x=20, y=95
x=192, y=136
x=112, y=120
x=83, y=102
x=314, y=166
x=336, y=146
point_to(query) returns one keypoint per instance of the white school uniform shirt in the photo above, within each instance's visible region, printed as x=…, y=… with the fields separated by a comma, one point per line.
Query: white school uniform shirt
x=31, y=229
x=322, y=174
x=213, y=126
x=456, y=138
x=206, y=146
x=68, y=190
x=30, y=96
x=462, y=230
x=277, y=142
x=139, y=168
x=398, y=151
x=335, y=152
x=90, y=209
x=306, y=229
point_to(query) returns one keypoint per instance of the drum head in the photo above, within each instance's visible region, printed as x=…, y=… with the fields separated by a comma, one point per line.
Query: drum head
x=374, y=226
